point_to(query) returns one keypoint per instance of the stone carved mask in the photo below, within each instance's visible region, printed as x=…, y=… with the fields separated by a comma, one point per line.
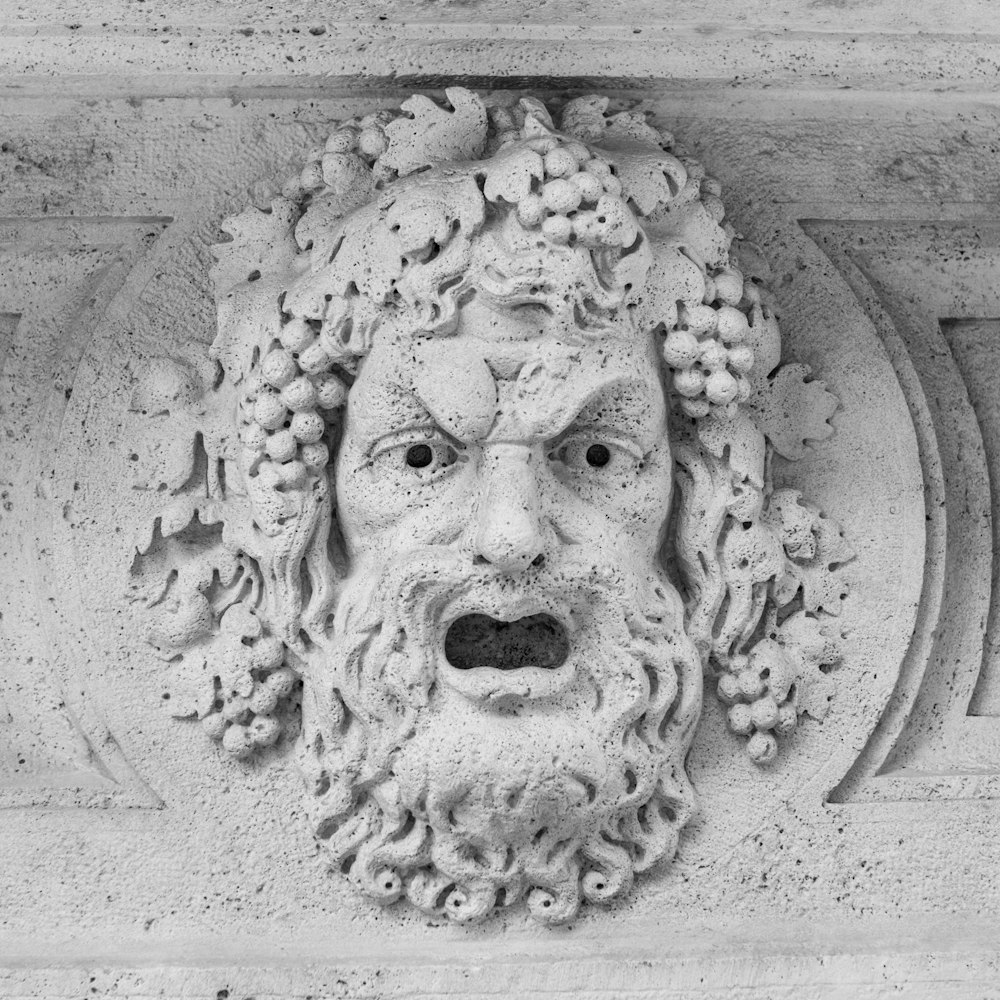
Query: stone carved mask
x=477, y=488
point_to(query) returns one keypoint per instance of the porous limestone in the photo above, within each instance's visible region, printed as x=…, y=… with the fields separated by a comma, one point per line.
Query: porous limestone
x=241, y=758
x=461, y=363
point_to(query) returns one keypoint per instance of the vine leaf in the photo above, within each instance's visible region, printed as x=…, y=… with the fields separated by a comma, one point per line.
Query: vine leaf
x=587, y=118
x=422, y=214
x=812, y=648
x=812, y=562
x=509, y=175
x=173, y=388
x=259, y=241
x=185, y=560
x=738, y=433
x=169, y=463
x=649, y=178
x=430, y=133
x=793, y=410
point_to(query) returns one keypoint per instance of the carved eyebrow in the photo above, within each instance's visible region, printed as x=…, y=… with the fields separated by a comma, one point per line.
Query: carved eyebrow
x=378, y=443
x=613, y=435
x=613, y=409
x=559, y=418
x=463, y=422
x=426, y=431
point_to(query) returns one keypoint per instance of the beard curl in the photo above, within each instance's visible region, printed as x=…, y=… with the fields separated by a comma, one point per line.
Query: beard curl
x=459, y=825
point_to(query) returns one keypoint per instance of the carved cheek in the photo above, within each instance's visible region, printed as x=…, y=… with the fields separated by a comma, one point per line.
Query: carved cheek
x=625, y=509
x=653, y=493
x=358, y=512
x=384, y=506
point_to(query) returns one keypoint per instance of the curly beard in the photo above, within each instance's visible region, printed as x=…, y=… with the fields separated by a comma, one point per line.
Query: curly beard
x=466, y=803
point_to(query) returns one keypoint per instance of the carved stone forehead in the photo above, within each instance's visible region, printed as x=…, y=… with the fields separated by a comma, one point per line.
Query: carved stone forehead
x=508, y=373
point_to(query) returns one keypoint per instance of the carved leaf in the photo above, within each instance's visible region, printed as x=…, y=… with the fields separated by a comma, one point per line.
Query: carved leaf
x=174, y=389
x=261, y=241
x=765, y=340
x=422, y=214
x=693, y=227
x=191, y=684
x=509, y=175
x=320, y=226
x=792, y=410
x=793, y=522
x=648, y=178
x=812, y=648
x=741, y=436
x=169, y=463
x=177, y=516
x=672, y=277
x=431, y=134
x=587, y=119
x=180, y=565
x=186, y=558
x=815, y=575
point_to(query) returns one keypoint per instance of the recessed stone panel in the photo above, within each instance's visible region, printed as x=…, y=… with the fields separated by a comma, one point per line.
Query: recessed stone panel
x=862, y=854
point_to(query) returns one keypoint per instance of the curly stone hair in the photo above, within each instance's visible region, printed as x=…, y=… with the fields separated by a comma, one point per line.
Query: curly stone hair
x=603, y=221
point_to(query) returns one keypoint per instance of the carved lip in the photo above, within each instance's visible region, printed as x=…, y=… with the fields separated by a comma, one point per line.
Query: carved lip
x=500, y=659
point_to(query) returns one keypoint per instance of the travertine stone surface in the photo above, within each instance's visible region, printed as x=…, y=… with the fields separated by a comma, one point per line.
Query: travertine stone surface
x=855, y=156
x=466, y=365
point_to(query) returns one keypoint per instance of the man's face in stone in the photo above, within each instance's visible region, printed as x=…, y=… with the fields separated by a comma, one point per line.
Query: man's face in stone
x=505, y=637
x=518, y=452
x=507, y=444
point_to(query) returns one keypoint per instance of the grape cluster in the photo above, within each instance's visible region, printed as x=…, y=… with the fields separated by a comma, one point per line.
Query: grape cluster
x=707, y=348
x=351, y=152
x=579, y=199
x=246, y=714
x=760, y=693
x=282, y=407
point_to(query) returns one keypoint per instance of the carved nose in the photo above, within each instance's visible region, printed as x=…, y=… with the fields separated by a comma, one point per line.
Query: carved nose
x=508, y=532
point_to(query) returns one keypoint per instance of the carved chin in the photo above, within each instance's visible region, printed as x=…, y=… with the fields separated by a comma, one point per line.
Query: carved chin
x=477, y=785
x=542, y=773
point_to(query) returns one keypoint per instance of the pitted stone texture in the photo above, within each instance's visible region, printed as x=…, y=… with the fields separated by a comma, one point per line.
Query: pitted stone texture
x=475, y=311
x=152, y=901
x=892, y=45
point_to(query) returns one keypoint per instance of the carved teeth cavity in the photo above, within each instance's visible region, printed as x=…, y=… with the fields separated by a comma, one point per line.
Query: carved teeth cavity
x=481, y=641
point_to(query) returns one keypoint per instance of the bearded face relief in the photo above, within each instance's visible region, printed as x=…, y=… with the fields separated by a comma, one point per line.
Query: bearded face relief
x=482, y=492
x=505, y=629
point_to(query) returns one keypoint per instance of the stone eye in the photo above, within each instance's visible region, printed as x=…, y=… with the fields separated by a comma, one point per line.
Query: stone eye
x=582, y=453
x=423, y=458
x=418, y=456
x=598, y=455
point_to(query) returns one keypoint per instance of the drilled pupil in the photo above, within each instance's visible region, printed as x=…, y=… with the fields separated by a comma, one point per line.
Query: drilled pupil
x=598, y=455
x=418, y=456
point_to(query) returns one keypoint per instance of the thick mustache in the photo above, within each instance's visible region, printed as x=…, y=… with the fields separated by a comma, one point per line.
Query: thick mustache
x=430, y=582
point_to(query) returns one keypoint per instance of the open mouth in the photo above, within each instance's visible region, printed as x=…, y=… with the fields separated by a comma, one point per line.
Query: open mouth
x=503, y=663
x=481, y=641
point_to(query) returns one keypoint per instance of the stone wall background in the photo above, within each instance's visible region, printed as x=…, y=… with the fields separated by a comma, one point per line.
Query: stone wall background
x=857, y=143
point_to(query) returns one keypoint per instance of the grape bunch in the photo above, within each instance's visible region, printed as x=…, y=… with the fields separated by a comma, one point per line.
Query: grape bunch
x=579, y=199
x=253, y=686
x=760, y=692
x=707, y=347
x=350, y=155
x=285, y=406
